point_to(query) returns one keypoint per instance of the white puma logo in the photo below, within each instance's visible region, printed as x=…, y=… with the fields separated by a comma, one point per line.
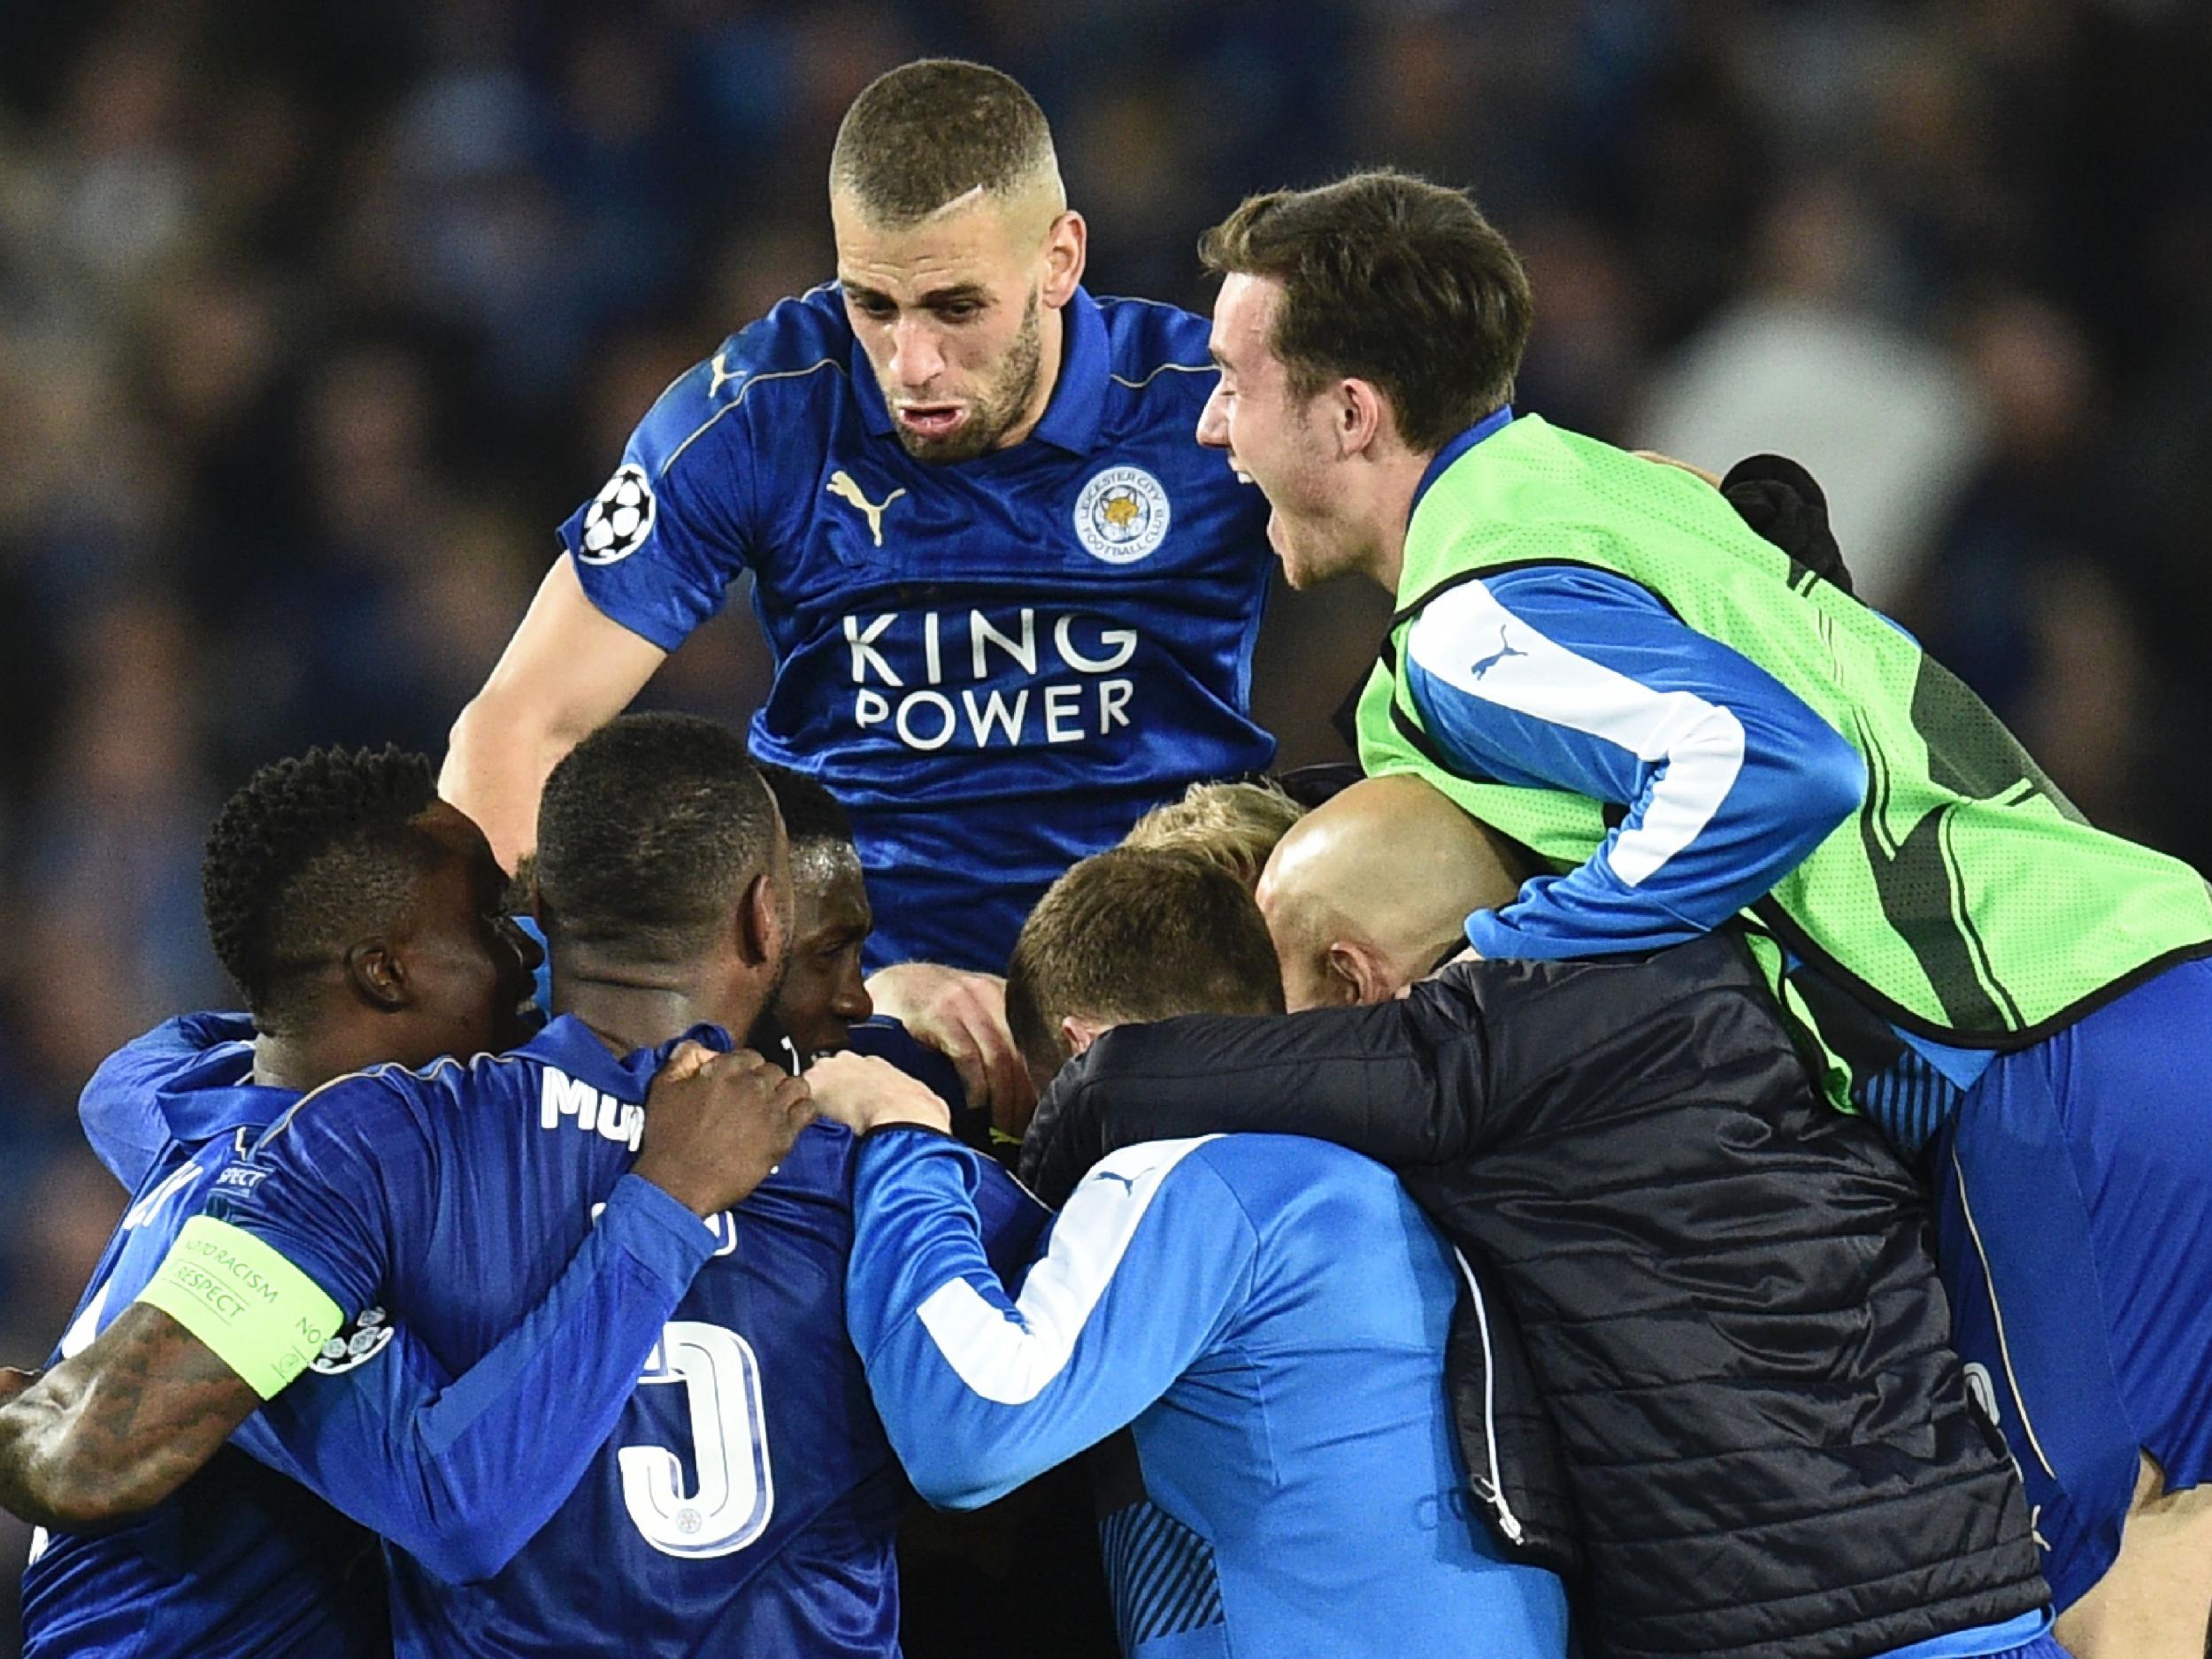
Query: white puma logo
x=720, y=374
x=841, y=486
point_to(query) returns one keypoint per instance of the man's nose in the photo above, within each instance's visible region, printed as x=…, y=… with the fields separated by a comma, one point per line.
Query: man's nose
x=916, y=357
x=1213, y=423
x=851, y=1001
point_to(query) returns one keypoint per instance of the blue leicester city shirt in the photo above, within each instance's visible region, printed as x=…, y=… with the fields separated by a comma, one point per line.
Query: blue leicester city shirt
x=239, y=1562
x=1268, y=1316
x=745, y=1499
x=242, y=1562
x=996, y=664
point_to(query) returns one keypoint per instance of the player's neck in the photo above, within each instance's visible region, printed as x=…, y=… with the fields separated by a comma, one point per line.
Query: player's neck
x=301, y=1061
x=1052, y=337
x=629, y=1011
x=1397, y=487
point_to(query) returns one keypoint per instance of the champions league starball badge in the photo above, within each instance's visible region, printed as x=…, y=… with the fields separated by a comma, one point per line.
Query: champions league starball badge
x=361, y=1339
x=619, y=519
x=1122, y=515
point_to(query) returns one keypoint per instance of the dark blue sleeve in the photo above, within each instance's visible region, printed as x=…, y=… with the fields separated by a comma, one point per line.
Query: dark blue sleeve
x=461, y=1472
x=888, y=1039
x=121, y=1121
x=337, y=1180
x=658, y=547
x=1581, y=680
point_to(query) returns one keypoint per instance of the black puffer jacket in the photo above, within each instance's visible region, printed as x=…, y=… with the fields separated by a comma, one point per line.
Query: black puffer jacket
x=1723, y=1287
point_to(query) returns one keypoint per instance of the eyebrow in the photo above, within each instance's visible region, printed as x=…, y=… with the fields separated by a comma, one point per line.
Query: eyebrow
x=1214, y=351
x=956, y=294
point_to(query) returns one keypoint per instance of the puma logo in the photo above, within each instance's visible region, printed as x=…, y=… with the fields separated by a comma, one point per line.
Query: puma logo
x=721, y=374
x=1110, y=1175
x=841, y=486
x=1477, y=669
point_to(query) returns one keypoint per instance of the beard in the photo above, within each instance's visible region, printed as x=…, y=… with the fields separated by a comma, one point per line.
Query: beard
x=998, y=406
x=768, y=1039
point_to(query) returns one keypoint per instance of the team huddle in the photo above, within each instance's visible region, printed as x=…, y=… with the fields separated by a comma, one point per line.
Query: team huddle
x=1685, y=1151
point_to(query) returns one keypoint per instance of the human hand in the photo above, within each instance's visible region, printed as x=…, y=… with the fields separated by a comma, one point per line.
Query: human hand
x=963, y=1015
x=717, y=1125
x=864, y=1092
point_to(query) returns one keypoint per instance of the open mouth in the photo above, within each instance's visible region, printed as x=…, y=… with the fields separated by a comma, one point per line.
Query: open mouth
x=932, y=420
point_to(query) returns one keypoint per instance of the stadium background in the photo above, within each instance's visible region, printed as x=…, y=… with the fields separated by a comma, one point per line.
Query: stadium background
x=314, y=320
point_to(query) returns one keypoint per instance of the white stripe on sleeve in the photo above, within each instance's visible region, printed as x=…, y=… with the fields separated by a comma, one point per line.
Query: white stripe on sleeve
x=1468, y=640
x=1012, y=1364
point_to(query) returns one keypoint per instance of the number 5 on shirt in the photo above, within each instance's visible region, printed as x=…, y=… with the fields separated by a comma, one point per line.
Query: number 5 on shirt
x=729, y=1437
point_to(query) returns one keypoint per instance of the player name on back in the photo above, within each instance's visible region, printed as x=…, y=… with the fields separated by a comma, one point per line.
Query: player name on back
x=590, y=1110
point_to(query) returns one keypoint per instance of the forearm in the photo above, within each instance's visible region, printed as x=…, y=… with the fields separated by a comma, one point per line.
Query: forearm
x=567, y=671
x=1365, y=1078
x=497, y=1475
x=501, y=750
x=114, y=1430
x=460, y=1472
x=1581, y=682
x=979, y=1392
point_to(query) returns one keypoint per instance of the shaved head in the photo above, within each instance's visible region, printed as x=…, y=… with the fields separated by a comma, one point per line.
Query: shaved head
x=1366, y=892
x=935, y=137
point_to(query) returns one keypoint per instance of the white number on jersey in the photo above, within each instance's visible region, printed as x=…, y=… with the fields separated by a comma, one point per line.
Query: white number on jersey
x=729, y=1441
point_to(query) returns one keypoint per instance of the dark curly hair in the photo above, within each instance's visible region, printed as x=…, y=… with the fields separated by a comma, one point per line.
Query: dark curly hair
x=811, y=812
x=650, y=831
x=308, y=857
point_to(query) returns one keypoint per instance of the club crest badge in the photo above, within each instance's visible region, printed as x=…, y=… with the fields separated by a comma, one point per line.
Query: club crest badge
x=1122, y=515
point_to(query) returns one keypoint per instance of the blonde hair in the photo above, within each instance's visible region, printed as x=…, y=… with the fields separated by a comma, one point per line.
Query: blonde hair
x=1233, y=826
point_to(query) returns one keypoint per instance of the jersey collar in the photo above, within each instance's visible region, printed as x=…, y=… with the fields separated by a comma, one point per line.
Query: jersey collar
x=1495, y=421
x=1072, y=418
x=568, y=1045
x=216, y=1093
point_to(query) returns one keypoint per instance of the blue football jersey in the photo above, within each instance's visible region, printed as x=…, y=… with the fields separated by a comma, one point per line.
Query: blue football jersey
x=746, y=1500
x=996, y=664
x=240, y=1561
x=244, y=1561
x=1268, y=1316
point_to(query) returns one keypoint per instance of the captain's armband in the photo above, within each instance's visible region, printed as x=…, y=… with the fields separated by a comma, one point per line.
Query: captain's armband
x=262, y=1317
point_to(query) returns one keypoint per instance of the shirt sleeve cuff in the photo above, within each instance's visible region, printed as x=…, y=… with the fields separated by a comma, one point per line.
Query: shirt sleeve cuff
x=656, y=1231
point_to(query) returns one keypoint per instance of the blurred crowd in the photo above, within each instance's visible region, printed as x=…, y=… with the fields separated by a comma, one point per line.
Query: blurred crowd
x=315, y=320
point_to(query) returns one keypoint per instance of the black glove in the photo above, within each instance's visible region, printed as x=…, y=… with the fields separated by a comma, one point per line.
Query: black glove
x=1782, y=502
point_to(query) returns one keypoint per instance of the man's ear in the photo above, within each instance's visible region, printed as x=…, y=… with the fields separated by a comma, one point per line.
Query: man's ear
x=1080, y=1034
x=378, y=975
x=1357, y=969
x=1359, y=416
x=759, y=922
x=1067, y=246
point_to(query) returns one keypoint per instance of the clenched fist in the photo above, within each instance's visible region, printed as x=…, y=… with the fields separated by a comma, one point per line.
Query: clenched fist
x=717, y=1125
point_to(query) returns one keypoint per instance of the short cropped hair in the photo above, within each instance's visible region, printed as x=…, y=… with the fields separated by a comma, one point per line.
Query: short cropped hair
x=650, y=831
x=811, y=814
x=310, y=856
x=929, y=131
x=1137, y=934
x=1234, y=825
x=1391, y=280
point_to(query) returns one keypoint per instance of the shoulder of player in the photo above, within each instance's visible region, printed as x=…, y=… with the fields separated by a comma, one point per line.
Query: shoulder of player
x=799, y=353
x=1156, y=349
x=383, y=1099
